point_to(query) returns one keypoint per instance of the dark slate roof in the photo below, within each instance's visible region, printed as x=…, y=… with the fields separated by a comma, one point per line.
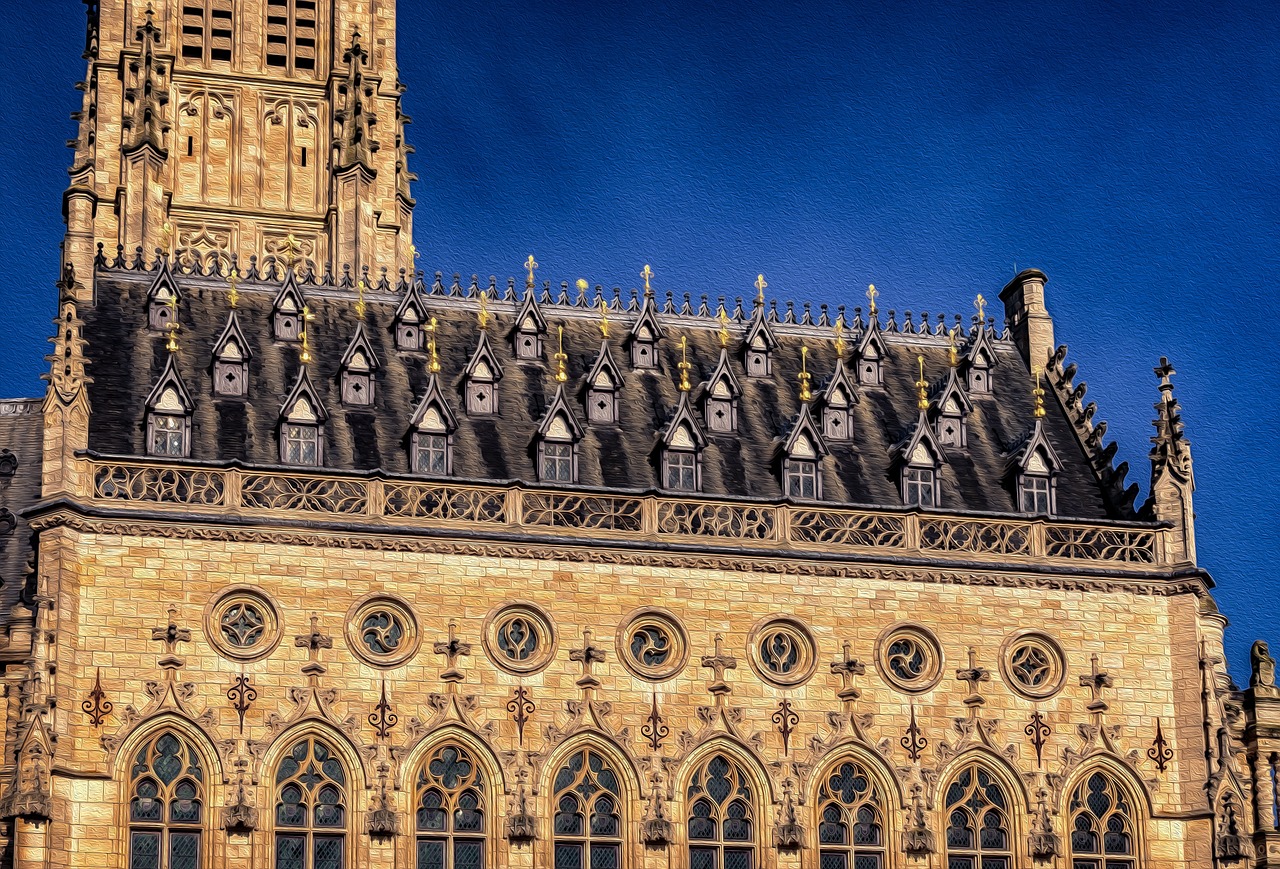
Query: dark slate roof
x=22, y=444
x=126, y=358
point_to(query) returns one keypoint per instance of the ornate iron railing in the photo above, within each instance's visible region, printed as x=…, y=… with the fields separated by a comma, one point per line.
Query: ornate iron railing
x=401, y=504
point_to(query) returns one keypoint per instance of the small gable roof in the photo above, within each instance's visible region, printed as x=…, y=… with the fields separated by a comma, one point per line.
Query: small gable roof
x=529, y=316
x=722, y=382
x=921, y=446
x=412, y=307
x=872, y=345
x=483, y=364
x=303, y=403
x=231, y=344
x=759, y=332
x=1035, y=454
x=684, y=430
x=360, y=355
x=805, y=441
x=604, y=367
x=647, y=323
x=560, y=422
x=980, y=349
x=164, y=287
x=839, y=380
x=170, y=394
x=433, y=411
x=290, y=298
x=950, y=397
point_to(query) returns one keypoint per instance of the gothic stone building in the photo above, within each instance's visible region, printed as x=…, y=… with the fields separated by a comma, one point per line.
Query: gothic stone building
x=310, y=561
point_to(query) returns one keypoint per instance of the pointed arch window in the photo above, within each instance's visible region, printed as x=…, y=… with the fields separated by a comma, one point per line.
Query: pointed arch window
x=310, y=808
x=300, y=442
x=588, y=822
x=759, y=361
x=558, y=453
x=978, y=374
x=978, y=833
x=920, y=477
x=286, y=322
x=169, y=426
x=166, y=805
x=451, y=819
x=1035, y=484
x=1102, y=831
x=644, y=347
x=800, y=475
x=721, y=408
x=682, y=462
x=851, y=828
x=357, y=379
x=409, y=332
x=836, y=421
x=528, y=338
x=721, y=822
x=482, y=389
x=160, y=309
x=432, y=445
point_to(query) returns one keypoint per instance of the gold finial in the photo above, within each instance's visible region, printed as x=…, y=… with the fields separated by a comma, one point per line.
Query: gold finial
x=952, y=354
x=981, y=304
x=530, y=264
x=434, y=365
x=685, y=385
x=484, y=309
x=872, y=295
x=233, y=278
x=604, y=319
x=760, y=285
x=166, y=239
x=647, y=274
x=561, y=357
x=172, y=344
x=413, y=252
x=805, y=392
x=291, y=248
x=724, y=327
x=1038, y=392
x=307, y=317
x=360, y=306
x=840, y=345
x=922, y=387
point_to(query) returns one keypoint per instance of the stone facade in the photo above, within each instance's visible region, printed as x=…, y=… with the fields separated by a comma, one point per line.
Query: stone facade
x=224, y=650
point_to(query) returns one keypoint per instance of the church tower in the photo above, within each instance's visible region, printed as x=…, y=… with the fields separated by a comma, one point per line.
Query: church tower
x=247, y=127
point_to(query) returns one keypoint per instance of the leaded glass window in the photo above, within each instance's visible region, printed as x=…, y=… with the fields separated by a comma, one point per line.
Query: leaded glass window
x=450, y=818
x=1101, y=818
x=681, y=470
x=588, y=814
x=978, y=835
x=801, y=479
x=431, y=454
x=1034, y=494
x=919, y=487
x=311, y=808
x=168, y=434
x=721, y=820
x=557, y=462
x=166, y=805
x=851, y=831
x=300, y=444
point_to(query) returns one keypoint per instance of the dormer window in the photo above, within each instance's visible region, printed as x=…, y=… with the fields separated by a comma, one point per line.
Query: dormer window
x=1037, y=476
x=952, y=430
x=836, y=422
x=409, y=332
x=800, y=471
x=602, y=399
x=758, y=358
x=980, y=361
x=979, y=374
x=482, y=390
x=231, y=362
x=557, y=453
x=681, y=464
x=721, y=408
x=920, y=478
x=644, y=351
x=1035, y=494
x=357, y=381
x=528, y=339
x=869, y=367
x=287, y=322
x=300, y=426
x=160, y=309
x=432, y=453
x=169, y=426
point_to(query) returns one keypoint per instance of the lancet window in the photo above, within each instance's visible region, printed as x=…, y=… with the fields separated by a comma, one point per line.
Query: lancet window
x=721, y=821
x=978, y=834
x=1101, y=819
x=836, y=422
x=681, y=462
x=291, y=35
x=166, y=805
x=206, y=30
x=432, y=454
x=311, y=808
x=451, y=820
x=851, y=829
x=920, y=478
x=1036, y=483
x=557, y=453
x=588, y=814
x=169, y=426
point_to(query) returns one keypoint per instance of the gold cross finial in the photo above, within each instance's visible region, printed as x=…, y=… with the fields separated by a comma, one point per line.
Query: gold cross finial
x=724, y=327
x=1038, y=392
x=647, y=274
x=360, y=306
x=530, y=265
x=685, y=386
x=604, y=319
x=981, y=304
x=840, y=344
x=434, y=365
x=760, y=285
x=805, y=392
x=413, y=251
x=172, y=344
x=166, y=239
x=952, y=353
x=233, y=279
x=291, y=248
x=872, y=295
x=922, y=387
x=561, y=374
x=483, y=315
x=307, y=317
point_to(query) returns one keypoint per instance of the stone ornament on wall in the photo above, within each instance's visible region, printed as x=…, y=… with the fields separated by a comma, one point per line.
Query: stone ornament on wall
x=652, y=644
x=1033, y=665
x=782, y=651
x=382, y=631
x=242, y=623
x=909, y=658
x=519, y=637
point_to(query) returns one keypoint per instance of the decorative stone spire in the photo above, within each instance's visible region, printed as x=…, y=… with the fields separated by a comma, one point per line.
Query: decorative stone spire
x=355, y=143
x=1172, y=480
x=146, y=97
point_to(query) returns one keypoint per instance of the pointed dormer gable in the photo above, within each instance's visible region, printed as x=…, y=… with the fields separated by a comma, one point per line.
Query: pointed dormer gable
x=950, y=412
x=163, y=297
x=1034, y=466
x=431, y=433
x=559, y=422
x=683, y=431
x=231, y=356
x=530, y=326
x=604, y=381
x=287, y=310
x=644, y=336
x=870, y=355
x=481, y=376
x=411, y=316
x=979, y=360
x=169, y=407
x=800, y=453
x=837, y=400
x=680, y=450
x=758, y=345
x=919, y=459
x=301, y=417
x=356, y=372
x=557, y=441
x=720, y=394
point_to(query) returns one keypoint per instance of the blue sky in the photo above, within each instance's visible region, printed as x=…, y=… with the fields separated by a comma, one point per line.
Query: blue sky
x=1127, y=149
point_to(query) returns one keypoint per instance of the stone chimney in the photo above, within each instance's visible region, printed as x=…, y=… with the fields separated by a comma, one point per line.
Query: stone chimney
x=1028, y=318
